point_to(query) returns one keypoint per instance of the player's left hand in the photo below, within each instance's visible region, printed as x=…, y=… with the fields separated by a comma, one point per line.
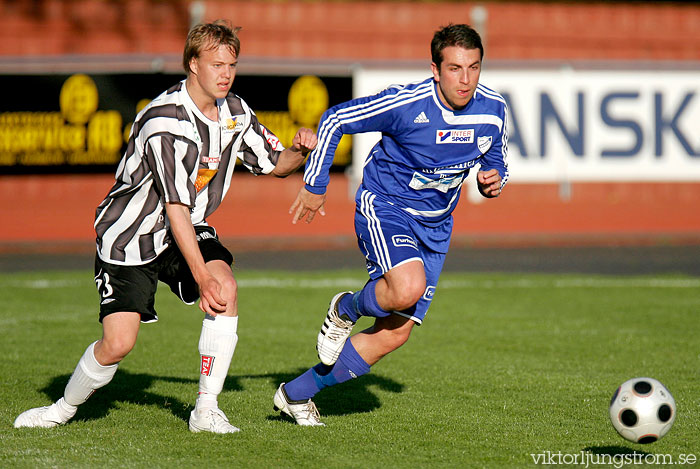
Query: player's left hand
x=489, y=182
x=210, y=299
x=304, y=141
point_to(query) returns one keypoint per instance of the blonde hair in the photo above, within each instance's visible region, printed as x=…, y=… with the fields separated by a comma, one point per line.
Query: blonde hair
x=207, y=36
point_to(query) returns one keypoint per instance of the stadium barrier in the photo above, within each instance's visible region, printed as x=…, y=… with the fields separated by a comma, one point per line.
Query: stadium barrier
x=55, y=212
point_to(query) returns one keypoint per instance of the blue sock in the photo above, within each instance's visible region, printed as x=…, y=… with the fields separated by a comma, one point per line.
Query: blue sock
x=348, y=306
x=306, y=385
x=362, y=303
x=349, y=365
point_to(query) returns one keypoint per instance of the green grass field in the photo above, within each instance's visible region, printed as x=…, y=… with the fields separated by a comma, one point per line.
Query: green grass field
x=505, y=366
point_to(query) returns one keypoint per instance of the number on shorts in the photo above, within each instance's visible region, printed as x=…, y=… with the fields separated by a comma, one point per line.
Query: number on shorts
x=103, y=287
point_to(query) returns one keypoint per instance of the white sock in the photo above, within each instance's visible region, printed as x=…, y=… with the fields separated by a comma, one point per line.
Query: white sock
x=88, y=376
x=65, y=410
x=216, y=345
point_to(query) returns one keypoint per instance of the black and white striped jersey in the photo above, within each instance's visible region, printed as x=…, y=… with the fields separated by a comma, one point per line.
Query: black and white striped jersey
x=176, y=154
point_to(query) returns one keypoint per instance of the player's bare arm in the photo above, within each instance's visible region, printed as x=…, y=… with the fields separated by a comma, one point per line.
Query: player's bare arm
x=489, y=183
x=293, y=157
x=306, y=205
x=211, y=301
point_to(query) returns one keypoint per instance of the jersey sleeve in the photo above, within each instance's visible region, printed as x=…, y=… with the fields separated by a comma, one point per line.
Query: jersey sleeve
x=173, y=160
x=496, y=156
x=366, y=114
x=260, y=148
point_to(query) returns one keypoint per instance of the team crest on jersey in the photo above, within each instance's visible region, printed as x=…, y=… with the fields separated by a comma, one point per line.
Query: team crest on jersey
x=232, y=125
x=207, y=365
x=454, y=136
x=404, y=241
x=484, y=143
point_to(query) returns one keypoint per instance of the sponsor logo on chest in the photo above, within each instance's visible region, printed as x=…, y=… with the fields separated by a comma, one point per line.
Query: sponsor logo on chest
x=444, y=183
x=454, y=136
x=231, y=125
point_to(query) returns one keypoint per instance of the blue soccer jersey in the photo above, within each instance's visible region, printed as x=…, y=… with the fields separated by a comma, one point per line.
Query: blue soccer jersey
x=425, y=152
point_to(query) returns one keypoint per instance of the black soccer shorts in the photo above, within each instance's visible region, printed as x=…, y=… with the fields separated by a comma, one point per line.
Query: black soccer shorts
x=133, y=287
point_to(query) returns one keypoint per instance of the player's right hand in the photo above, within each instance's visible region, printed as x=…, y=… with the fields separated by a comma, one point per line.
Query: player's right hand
x=304, y=141
x=306, y=205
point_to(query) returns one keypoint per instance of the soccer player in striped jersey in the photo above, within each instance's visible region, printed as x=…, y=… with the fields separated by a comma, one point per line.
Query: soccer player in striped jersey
x=152, y=225
x=433, y=133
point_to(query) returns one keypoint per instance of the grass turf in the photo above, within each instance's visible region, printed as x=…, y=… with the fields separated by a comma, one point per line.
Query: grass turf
x=505, y=367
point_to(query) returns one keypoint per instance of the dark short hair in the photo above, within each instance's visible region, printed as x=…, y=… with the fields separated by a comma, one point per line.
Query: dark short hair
x=209, y=36
x=461, y=35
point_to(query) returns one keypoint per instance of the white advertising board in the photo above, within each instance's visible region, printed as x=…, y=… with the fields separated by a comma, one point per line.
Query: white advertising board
x=574, y=126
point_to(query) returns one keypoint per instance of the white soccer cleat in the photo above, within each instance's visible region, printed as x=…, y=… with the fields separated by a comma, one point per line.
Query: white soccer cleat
x=211, y=420
x=334, y=332
x=42, y=417
x=303, y=412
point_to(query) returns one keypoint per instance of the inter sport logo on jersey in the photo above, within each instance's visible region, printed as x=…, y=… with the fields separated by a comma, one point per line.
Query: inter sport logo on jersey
x=454, y=136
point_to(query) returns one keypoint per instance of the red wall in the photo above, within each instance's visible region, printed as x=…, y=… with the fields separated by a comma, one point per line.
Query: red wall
x=349, y=30
x=40, y=209
x=49, y=208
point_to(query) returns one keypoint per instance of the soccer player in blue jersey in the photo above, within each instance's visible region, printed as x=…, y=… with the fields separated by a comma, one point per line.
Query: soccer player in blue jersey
x=433, y=133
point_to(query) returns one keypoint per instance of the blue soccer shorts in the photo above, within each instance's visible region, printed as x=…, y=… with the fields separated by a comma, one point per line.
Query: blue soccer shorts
x=387, y=238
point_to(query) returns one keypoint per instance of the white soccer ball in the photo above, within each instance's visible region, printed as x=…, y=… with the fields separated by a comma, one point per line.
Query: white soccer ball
x=642, y=410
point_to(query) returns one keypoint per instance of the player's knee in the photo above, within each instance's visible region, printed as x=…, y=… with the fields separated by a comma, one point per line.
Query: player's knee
x=114, y=349
x=406, y=285
x=408, y=293
x=229, y=288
